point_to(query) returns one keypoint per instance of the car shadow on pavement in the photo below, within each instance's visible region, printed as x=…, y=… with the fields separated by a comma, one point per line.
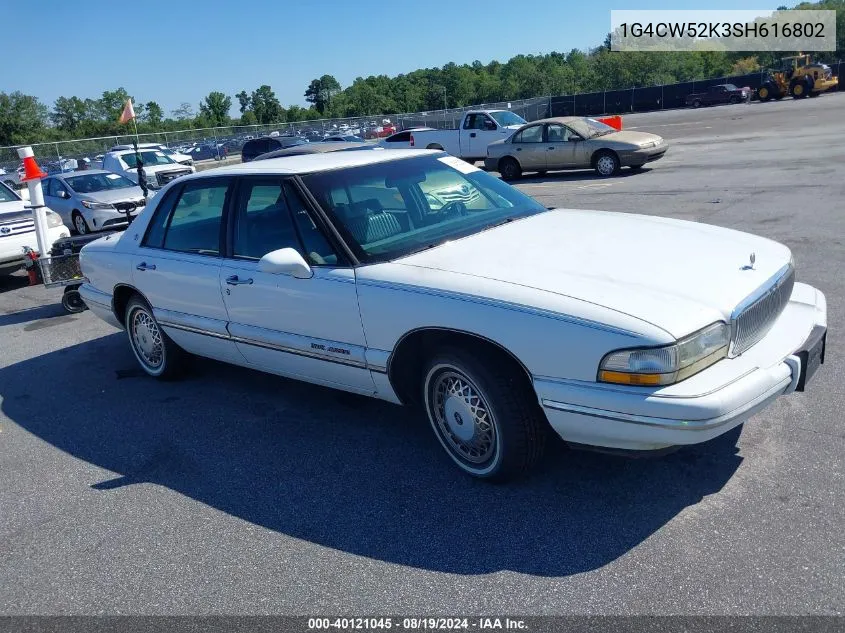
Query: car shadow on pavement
x=13, y=282
x=344, y=471
x=37, y=313
x=586, y=175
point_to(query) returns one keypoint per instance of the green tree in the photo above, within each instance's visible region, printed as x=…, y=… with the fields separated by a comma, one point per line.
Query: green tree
x=184, y=112
x=112, y=103
x=244, y=101
x=266, y=106
x=321, y=91
x=248, y=118
x=22, y=118
x=69, y=113
x=154, y=113
x=215, y=108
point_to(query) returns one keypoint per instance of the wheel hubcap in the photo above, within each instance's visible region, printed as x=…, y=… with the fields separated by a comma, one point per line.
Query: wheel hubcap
x=605, y=165
x=80, y=224
x=463, y=418
x=147, y=339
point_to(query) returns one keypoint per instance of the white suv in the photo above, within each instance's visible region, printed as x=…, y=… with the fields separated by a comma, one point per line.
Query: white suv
x=17, y=230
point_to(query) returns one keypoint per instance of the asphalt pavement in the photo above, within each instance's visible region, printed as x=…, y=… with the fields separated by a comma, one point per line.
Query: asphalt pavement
x=239, y=493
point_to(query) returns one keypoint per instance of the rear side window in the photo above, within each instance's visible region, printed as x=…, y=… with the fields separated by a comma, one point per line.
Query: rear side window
x=533, y=134
x=402, y=137
x=192, y=224
x=155, y=231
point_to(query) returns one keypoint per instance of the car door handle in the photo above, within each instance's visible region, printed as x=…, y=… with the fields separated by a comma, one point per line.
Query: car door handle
x=472, y=134
x=234, y=280
x=145, y=266
x=518, y=149
x=551, y=148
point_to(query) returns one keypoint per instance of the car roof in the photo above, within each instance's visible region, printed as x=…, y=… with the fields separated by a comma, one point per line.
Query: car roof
x=557, y=119
x=80, y=172
x=321, y=161
x=316, y=148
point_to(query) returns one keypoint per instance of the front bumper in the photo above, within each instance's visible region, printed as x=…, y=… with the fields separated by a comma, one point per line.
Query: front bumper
x=639, y=157
x=101, y=219
x=697, y=409
x=12, y=255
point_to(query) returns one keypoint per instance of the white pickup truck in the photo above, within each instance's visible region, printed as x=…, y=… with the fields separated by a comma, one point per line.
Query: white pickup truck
x=477, y=130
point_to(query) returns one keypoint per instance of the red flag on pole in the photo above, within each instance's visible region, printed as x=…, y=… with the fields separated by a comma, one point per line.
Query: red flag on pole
x=128, y=112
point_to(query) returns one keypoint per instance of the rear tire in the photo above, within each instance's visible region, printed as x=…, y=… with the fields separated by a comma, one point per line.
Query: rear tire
x=509, y=168
x=156, y=352
x=606, y=163
x=485, y=417
x=696, y=103
x=766, y=92
x=435, y=146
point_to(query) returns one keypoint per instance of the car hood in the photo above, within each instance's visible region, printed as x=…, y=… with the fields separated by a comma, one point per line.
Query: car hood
x=629, y=137
x=679, y=276
x=13, y=206
x=114, y=195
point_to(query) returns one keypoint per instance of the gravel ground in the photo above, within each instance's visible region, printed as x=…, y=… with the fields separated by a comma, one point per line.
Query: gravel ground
x=239, y=493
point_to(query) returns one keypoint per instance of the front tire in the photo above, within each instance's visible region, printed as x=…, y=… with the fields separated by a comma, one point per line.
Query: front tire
x=484, y=416
x=509, y=168
x=156, y=352
x=79, y=223
x=696, y=103
x=606, y=164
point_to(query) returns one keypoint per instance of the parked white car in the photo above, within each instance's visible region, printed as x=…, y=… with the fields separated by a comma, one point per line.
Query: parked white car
x=93, y=200
x=17, y=230
x=501, y=318
x=478, y=128
x=179, y=157
x=158, y=167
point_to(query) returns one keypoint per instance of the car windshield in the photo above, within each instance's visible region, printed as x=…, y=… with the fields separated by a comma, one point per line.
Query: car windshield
x=148, y=157
x=588, y=128
x=730, y=87
x=396, y=208
x=92, y=183
x=505, y=118
x=7, y=195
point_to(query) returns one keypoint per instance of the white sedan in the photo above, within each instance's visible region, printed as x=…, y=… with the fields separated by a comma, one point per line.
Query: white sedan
x=502, y=319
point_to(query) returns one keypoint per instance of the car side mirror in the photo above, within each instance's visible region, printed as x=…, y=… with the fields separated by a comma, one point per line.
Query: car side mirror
x=64, y=194
x=285, y=261
x=489, y=125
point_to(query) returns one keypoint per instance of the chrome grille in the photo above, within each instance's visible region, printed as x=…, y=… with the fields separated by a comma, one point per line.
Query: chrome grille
x=752, y=322
x=16, y=223
x=164, y=177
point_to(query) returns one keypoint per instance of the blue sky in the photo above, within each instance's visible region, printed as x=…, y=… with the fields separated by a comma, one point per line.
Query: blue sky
x=187, y=48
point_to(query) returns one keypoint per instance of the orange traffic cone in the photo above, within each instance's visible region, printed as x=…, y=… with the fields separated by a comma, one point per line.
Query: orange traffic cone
x=31, y=169
x=613, y=121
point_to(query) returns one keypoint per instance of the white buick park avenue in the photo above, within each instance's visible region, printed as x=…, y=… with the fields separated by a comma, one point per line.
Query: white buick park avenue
x=414, y=277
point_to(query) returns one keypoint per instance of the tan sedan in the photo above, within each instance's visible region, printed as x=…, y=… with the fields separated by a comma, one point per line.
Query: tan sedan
x=572, y=143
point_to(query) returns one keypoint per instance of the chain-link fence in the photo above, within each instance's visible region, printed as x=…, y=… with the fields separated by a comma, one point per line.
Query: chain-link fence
x=219, y=143
x=224, y=143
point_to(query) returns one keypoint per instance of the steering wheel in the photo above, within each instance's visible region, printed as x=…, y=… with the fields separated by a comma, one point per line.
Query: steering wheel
x=456, y=208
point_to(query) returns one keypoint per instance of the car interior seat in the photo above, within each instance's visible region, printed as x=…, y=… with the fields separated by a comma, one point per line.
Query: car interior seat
x=369, y=222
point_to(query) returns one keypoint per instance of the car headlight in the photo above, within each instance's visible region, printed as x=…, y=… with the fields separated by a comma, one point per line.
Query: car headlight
x=654, y=366
x=90, y=204
x=53, y=219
